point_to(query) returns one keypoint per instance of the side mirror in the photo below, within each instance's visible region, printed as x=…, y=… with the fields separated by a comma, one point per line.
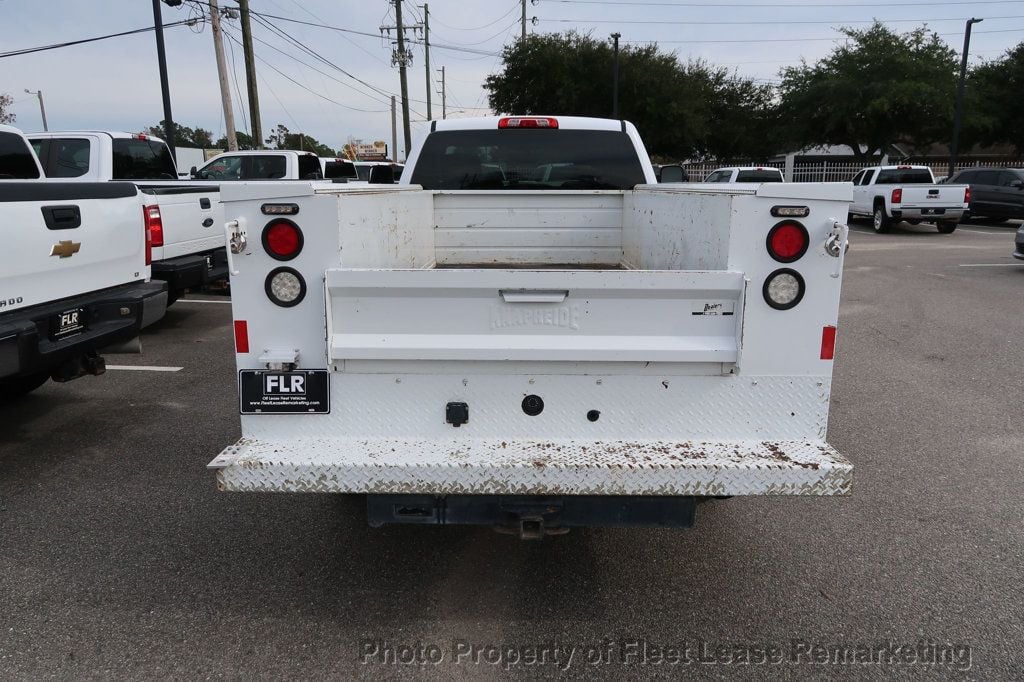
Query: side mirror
x=1019, y=184
x=382, y=175
x=673, y=173
x=192, y=171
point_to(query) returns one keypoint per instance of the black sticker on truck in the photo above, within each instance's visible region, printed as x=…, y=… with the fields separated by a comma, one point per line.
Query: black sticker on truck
x=306, y=391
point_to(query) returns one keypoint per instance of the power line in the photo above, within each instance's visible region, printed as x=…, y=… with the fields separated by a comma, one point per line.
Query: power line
x=478, y=28
x=792, y=40
x=41, y=48
x=716, y=5
x=758, y=23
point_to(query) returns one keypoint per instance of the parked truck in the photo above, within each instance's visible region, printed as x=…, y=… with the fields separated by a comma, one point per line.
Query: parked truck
x=261, y=164
x=889, y=194
x=184, y=217
x=529, y=333
x=73, y=272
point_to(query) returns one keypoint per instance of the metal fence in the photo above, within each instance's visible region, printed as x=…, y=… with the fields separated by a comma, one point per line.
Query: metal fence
x=838, y=171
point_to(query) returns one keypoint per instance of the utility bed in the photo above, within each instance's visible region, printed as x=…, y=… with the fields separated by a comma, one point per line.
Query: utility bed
x=636, y=317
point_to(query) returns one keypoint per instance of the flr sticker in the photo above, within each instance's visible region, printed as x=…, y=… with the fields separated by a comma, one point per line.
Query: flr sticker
x=306, y=391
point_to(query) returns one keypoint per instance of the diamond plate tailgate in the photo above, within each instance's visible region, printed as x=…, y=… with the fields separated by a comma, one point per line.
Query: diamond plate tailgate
x=533, y=467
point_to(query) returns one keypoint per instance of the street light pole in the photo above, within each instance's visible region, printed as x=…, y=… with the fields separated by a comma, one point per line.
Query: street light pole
x=615, y=77
x=165, y=90
x=960, y=95
x=42, y=109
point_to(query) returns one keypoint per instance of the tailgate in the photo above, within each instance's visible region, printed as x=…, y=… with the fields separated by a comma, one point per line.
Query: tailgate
x=192, y=217
x=539, y=315
x=64, y=239
x=932, y=196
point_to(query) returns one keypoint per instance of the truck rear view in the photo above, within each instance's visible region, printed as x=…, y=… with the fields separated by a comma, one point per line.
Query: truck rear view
x=574, y=352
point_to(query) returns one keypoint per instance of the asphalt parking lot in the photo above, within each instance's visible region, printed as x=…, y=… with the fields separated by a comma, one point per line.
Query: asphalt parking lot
x=118, y=558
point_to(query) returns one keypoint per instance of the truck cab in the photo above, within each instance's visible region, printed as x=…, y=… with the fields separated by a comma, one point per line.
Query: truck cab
x=261, y=164
x=528, y=332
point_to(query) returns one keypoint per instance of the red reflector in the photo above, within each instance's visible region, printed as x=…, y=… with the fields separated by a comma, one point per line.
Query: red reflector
x=282, y=239
x=241, y=336
x=967, y=195
x=787, y=241
x=828, y=342
x=897, y=196
x=528, y=122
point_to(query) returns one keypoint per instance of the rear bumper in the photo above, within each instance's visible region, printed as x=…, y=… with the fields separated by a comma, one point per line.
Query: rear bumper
x=113, y=316
x=190, y=271
x=533, y=467
x=928, y=213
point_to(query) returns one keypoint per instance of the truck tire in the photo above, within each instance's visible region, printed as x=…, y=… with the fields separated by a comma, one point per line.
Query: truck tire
x=946, y=226
x=19, y=386
x=879, y=220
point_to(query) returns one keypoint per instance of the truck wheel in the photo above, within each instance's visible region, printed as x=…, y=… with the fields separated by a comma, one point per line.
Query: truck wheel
x=19, y=386
x=946, y=226
x=880, y=221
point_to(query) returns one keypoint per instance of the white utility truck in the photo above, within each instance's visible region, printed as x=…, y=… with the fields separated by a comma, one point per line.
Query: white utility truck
x=185, y=218
x=889, y=194
x=529, y=333
x=73, y=272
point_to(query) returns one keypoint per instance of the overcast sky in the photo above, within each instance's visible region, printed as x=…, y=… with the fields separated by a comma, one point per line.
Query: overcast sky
x=114, y=84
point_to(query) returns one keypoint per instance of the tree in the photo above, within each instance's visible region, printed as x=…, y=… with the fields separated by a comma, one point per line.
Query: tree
x=185, y=137
x=672, y=104
x=6, y=116
x=244, y=141
x=878, y=89
x=745, y=115
x=990, y=115
x=282, y=138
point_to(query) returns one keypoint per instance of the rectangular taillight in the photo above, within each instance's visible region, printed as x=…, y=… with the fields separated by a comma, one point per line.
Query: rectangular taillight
x=828, y=342
x=241, y=336
x=897, y=196
x=967, y=195
x=154, y=225
x=528, y=122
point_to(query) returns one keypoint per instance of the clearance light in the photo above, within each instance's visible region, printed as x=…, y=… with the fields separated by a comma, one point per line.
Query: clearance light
x=285, y=287
x=241, y=336
x=783, y=289
x=279, y=209
x=528, y=122
x=787, y=241
x=790, y=211
x=828, y=342
x=282, y=239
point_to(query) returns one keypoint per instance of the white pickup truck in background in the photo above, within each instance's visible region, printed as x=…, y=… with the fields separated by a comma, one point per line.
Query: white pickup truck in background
x=261, y=164
x=529, y=333
x=746, y=174
x=889, y=194
x=73, y=272
x=185, y=217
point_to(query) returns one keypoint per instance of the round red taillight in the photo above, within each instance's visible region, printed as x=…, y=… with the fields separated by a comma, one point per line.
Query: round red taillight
x=787, y=241
x=282, y=239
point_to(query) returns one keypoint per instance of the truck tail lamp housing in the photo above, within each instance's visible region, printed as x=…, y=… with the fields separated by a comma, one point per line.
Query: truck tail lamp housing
x=285, y=287
x=967, y=195
x=783, y=289
x=897, y=195
x=787, y=241
x=528, y=122
x=282, y=239
x=154, y=225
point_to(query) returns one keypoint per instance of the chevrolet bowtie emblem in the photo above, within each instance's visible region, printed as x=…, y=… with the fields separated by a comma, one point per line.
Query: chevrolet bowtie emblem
x=65, y=249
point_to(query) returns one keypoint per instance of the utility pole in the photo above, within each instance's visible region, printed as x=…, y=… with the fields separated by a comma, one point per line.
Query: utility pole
x=444, y=102
x=42, y=109
x=165, y=90
x=222, y=74
x=426, y=55
x=523, y=20
x=402, y=58
x=394, y=131
x=250, y=75
x=960, y=95
x=615, y=77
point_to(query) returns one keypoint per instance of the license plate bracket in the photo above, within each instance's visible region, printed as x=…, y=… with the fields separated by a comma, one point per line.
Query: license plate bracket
x=304, y=391
x=67, y=323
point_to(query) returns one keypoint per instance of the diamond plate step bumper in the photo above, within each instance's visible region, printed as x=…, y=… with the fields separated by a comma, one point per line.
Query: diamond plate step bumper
x=533, y=467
